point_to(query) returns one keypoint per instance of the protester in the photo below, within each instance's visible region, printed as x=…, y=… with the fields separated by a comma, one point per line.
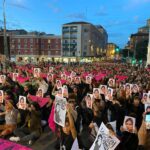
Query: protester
x=124, y=98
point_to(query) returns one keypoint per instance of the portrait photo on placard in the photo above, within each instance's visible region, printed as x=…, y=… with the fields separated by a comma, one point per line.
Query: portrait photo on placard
x=37, y=72
x=88, y=80
x=129, y=124
x=63, y=77
x=128, y=87
x=58, y=84
x=1, y=96
x=77, y=80
x=89, y=100
x=22, y=102
x=145, y=97
x=135, y=88
x=49, y=77
x=40, y=92
x=60, y=110
x=15, y=75
x=104, y=140
x=2, y=78
x=69, y=79
x=59, y=92
x=51, y=69
x=103, y=89
x=73, y=74
x=65, y=91
x=111, y=82
x=122, y=87
x=109, y=95
x=96, y=93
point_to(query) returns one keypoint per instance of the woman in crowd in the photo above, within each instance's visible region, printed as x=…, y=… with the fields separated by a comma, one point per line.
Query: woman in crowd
x=11, y=116
x=31, y=130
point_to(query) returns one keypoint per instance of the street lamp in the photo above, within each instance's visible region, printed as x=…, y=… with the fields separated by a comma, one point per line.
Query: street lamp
x=6, y=53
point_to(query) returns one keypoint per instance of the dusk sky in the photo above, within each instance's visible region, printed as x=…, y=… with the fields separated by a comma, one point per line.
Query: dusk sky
x=120, y=18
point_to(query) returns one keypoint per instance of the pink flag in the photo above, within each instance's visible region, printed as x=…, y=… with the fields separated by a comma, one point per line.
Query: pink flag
x=22, y=79
x=41, y=101
x=6, y=145
x=51, y=122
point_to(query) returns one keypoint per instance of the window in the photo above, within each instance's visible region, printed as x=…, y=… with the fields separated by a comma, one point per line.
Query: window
x=25, y=40
x=86, y=30
x=13, y=41
x=31, y=40
x=18, y=46
x=84, y=53
x=18, y=40
x=49, y=41
x=25, y=45
x=85, y=47
x=12, y=46
x=66, y=41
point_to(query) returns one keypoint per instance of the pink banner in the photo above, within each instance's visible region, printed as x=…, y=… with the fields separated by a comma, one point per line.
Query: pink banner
x=7, y=145
x=41, y=101
x=22, y=79
x=51, y=122
x=63, y=81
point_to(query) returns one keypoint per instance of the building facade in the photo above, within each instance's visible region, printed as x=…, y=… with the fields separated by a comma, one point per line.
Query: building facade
x=35, y=46
x=51, y=46
x=82, y=39
x=110, y=53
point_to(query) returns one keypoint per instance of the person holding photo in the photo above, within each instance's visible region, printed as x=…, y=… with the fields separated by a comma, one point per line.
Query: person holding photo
x=65, y=91
x=129, y=139
x=89, y=101
x=58, y=113
x=36, y=72
x=22, y=103
x=40, y=93
x=68, y=132
x=58, y=84
x=96, y=94
x=88, y=80
x=31, y=130
x=129, y=124
x=103, y=89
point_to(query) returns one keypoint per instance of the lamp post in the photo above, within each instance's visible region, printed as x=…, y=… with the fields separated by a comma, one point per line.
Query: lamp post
x=6, y=53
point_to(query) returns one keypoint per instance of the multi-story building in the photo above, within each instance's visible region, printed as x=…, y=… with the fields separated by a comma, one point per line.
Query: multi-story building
x=110, y=52
x=24, y=45
x=82, y=39
x=51, y=46
x=35, y=46
x=145, y=29
x=138, y=38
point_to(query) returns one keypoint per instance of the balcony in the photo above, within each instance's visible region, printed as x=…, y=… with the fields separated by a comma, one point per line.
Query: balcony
x=65, y=30
x=73, y=37
x=73, y=30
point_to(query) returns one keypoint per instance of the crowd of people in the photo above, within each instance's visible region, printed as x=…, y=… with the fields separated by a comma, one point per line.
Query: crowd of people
x=74, y=100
